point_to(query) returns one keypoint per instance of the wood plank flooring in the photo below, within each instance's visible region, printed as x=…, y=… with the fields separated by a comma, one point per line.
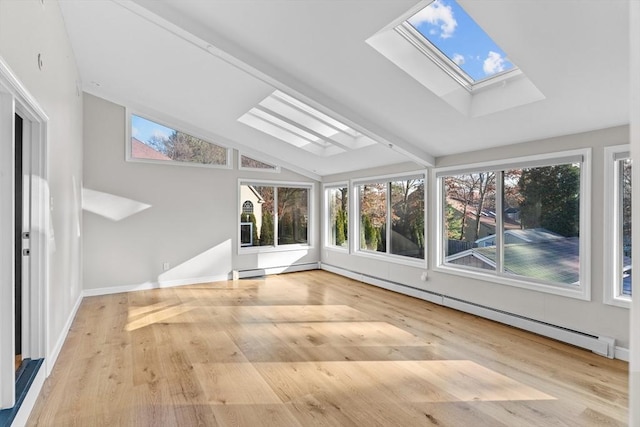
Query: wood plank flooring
x=315, y=349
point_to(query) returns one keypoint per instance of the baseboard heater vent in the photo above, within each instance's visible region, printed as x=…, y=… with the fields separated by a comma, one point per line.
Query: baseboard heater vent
x=604, y=346
x=258, y=272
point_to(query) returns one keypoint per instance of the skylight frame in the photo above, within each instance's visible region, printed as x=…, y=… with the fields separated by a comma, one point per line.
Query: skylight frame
x=431, y=51
x=303, y=126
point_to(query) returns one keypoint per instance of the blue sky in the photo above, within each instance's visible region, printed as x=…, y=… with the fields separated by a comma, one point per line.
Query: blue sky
x=445, y=24
x=144, y=129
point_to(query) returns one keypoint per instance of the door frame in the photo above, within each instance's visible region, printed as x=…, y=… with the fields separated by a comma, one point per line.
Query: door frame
x=15, y=98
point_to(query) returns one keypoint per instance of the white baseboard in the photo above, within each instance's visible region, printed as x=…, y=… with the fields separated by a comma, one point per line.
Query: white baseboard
x=29, y=401
x=622, y=353
x=604, y=346
x=50, y=359
x=154, y=285
x=196, y=280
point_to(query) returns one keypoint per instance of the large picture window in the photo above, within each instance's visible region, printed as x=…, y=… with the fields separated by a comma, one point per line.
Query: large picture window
x=520, y=222
x=391, y=217
x=154, y=142
x=274, y=215
x=618, y=224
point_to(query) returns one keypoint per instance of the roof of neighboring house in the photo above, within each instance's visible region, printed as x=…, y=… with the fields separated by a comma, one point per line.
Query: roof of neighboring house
x=531, y=235
x=140, y=150
x=555, y=260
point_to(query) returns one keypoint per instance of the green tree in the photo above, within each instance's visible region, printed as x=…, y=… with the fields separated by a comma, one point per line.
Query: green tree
x=551, y=199
x=453, y=221
x=371, y=233
x=266, y=231
x=340, y=227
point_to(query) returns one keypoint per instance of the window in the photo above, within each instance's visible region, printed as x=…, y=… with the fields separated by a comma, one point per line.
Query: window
x=457, y=43
x=279, y=214
x=618, y=223
x=247, y=162
x=520, y=222
x=391, y=214
x=153, y=142
x=337, y=214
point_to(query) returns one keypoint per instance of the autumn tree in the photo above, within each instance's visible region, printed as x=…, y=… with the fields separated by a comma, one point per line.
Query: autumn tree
x=182, y=147
x=471, y=192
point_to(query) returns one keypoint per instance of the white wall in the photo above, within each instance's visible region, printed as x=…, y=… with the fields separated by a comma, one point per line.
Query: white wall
x=587, y=316
x=192, y=223
x=29, y=28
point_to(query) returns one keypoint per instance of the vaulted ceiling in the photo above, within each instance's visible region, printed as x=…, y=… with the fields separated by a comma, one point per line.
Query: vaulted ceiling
x=201, y=65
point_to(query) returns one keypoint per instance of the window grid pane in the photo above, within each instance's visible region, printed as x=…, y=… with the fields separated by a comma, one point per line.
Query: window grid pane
x=407, y=218
x=470, y=220
x=338, y=217
x=373, y=216
x=541, y=237
x=624, y=188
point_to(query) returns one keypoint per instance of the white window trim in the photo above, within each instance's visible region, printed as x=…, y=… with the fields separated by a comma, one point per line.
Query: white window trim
x=580, y=291
x=171, y=124
x=311, y=222
x=354, y=231
x=276, y=168
x=611, y=241
x=326, y=238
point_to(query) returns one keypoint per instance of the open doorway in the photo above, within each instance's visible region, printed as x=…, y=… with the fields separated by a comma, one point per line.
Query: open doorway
x=19, y=229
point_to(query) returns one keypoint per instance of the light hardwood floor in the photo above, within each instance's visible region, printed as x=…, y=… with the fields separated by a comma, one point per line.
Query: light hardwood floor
x=315, y=349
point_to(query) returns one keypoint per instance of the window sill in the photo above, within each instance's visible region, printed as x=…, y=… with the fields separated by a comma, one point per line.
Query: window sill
x=576, y=292
x=244, y=250
x=621, y=302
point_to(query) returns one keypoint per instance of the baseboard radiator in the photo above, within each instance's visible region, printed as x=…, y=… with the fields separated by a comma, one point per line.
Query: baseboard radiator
x=258, y=272
x=604, y=346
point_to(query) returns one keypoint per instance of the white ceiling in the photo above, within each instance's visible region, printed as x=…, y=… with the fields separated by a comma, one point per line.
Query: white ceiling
x=201, y=65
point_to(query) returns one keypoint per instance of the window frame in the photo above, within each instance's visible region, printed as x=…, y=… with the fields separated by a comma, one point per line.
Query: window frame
x=583, y=290
x=326, y=236
x=163, y=121
x=428, y=49
x=311, y=221
x=612, y=291
x=354, y=219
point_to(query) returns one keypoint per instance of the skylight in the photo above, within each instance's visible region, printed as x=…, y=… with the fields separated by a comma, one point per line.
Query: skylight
x=457, y=43
x=302, y=126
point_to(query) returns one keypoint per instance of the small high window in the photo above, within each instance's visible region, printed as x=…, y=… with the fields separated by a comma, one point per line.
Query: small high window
x=247, y=162
x=154, y=142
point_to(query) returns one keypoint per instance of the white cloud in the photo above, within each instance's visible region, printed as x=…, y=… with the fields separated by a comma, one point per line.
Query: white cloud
x=135, y=132
x=157, y=133
x=439, y=14
x=458, y=59
x=493, y=63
